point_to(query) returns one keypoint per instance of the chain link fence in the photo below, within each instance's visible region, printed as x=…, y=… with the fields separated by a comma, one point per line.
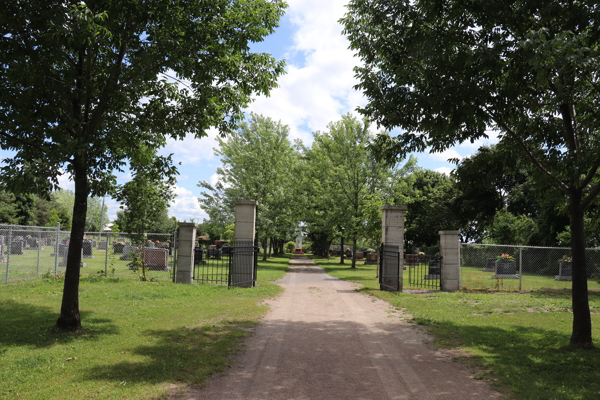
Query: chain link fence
x=28, y=252
x=522, y=268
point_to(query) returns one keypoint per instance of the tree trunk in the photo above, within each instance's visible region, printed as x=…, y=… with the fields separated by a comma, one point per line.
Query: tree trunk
x=342, y=250
x=69, y=318
x=270, y=246
x=264, y=246
x=354, y=252
x=582, y=322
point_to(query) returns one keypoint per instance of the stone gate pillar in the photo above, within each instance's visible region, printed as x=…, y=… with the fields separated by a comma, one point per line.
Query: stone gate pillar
x=450, y=252
x=242, y=265
x=392, y=236
x=185, y=252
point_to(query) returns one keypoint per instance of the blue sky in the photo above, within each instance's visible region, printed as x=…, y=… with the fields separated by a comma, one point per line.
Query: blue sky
x=316, y=90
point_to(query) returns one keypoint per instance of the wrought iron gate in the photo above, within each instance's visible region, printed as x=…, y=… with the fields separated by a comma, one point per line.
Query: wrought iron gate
x=389, y=268
x=229, y=265
x=423, y=270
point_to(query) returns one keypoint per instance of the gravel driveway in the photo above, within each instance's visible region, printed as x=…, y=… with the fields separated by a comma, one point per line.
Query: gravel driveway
x=323, y=340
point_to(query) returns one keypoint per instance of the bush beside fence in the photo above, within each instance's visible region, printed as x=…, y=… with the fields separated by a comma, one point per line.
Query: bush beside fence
x=29, y=252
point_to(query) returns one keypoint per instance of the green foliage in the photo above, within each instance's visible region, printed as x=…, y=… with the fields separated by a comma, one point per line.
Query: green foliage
x=258, y=164
x=8, y=208
x=507, y=228
x=84, y=86
x=147, y=195
x=446, y=72
x=229, y=233
x=290, y=246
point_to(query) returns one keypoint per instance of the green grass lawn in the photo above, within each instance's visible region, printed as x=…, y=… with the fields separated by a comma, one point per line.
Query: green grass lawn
x=139, y=338
x=516, y=341
x=474, y=279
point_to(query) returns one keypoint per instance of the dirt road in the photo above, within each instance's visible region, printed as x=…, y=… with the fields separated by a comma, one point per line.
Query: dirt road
x=324, y=340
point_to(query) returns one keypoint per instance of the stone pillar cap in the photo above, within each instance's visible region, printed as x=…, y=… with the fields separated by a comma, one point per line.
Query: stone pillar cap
x=398, y=208
x=246, y=202
x=449, y=232
x=187, y=224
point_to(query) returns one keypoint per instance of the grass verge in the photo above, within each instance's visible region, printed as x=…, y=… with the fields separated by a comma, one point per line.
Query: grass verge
x=517, y=341
x=140, y=339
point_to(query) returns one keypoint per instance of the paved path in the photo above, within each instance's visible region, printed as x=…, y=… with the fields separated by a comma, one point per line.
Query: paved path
x=323, y=340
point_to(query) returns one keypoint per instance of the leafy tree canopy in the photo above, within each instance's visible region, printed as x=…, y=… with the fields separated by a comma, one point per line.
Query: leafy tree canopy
x=447, y=71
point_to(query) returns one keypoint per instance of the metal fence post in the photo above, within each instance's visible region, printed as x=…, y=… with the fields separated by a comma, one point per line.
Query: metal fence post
x=520, y=269
x=106, y=257
x=37, y=269
x=174, y=255
x=8, y=255
x=56, y=247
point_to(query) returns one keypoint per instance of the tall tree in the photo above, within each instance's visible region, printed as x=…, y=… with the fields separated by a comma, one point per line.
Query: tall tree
x=445, y=71
x=145, y=197
x=84, y=84
x=351, y=172
x=258, y=161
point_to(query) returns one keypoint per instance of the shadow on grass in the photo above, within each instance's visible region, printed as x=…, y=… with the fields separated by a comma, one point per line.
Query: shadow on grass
x=562, y=294
x=535, y=363
x=31, y=325
x=187, y=354
x=530, y=362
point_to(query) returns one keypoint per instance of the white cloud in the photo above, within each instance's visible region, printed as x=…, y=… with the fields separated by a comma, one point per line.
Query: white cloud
x=444, y=170
x=65, y=181
x=492, y=139
x=214, y=178
x=311, y=95
x=445, y=155
x=181, y=191
x=187, y=208
x=191, y=150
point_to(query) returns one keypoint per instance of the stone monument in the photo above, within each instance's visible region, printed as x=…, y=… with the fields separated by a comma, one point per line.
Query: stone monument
x=298, y=246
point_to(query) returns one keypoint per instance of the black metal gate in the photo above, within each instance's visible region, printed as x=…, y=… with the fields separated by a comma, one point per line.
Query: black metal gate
x=423, y=270
x=229, y=265
x=389, y=268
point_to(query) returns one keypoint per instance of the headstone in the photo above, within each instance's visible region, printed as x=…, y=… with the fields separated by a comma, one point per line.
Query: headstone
x=360, y=255
x=150, y=245
x=103, y=245
x=127, y=243
x=63, y=263
x=506, y=270
x=372, y=258
x=156, y=259
x=118, y=247
x=94, y=243
x=128, y=253
x=32, y=243
x=47, y=241
x=490, y=265
x=87, y=249
x=16, y=247
x=565, y=271
x=434, y=270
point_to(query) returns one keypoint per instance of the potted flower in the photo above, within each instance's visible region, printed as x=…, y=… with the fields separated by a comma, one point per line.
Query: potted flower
x=506, y=265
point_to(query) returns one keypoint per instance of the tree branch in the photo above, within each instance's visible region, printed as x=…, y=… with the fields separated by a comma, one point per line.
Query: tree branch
x=591, y=174
x=592, y=194
x=561, y=185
